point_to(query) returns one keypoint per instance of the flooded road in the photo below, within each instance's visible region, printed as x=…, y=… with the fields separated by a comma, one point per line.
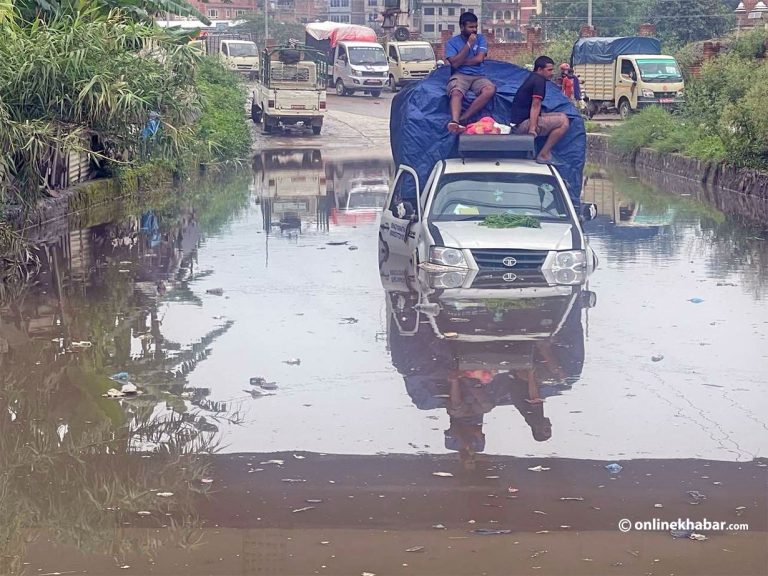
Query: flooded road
x=307, y=406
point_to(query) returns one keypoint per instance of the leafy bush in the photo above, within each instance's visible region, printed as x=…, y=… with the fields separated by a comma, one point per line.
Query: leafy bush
x=222, y=130
x=751, y=44
x=642, y=129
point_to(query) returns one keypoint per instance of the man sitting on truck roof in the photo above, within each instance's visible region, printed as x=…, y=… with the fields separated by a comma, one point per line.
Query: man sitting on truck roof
x=526, y=112
x=466, y=52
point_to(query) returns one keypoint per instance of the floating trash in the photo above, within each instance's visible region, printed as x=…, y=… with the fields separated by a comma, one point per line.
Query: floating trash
x=304, y=509
x=81, y=344
x=415, y=549
x=164, y=494
x=699, y=537
x=539, y=469
x=490, y=531
x=278, y=462
x=438, y=527
x=119, y=376
x=614, y=468
x=292, y=362
x=695, y=300
x=657, y=357
x=442, y=474
x=292, y=480
x=215, y=291
x=258, y=381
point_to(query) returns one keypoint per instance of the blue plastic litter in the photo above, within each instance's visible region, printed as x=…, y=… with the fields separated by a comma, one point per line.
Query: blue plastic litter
x=696, y=300
x=613, y=468
x=119, y=376
x=420, y=113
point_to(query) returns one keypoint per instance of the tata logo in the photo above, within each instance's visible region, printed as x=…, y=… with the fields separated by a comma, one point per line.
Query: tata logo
x=509, y=261
x=509, y=277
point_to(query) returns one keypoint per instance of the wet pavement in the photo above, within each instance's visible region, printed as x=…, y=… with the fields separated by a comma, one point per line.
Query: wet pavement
x=307, y=406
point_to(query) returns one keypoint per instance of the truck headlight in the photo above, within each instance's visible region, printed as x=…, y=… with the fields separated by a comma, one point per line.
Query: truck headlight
x=447, y=256
x=447, y=279
x=567, y=267
x=357, y=72
x=406, y=72
x=647, y=93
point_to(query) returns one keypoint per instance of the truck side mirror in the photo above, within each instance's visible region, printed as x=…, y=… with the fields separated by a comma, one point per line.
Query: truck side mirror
x=588, y=211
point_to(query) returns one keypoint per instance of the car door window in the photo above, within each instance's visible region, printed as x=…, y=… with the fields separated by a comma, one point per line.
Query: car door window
x=393, y=53
x=342, y=54
x=628, y=70
x=404, y=197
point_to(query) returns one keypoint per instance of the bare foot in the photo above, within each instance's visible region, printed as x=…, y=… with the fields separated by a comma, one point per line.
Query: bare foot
x=455, y=128
x=535, y=400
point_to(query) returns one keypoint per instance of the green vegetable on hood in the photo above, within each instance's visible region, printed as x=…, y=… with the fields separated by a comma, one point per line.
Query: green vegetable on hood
x=510, y=221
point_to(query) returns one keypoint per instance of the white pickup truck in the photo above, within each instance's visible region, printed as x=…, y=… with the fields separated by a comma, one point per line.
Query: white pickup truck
x=290, y=90
x=444, y=223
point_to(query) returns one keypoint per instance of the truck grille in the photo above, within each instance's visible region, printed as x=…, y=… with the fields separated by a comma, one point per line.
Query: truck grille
x=493, y=258
x=502, y=280
x=419, y=74
x=665, y=94
x=368, y=74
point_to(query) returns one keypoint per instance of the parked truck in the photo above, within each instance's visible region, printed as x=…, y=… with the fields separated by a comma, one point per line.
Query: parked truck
x=356, y=61
x=409, y=62
x=625, y=74
x=238, y=52
x=290, y=90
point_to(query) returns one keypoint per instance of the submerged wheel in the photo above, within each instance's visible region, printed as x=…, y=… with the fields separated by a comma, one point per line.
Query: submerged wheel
x=340, y=89
x=316, y=130
x=392, y=85
x=266, y=126
x=376, y=93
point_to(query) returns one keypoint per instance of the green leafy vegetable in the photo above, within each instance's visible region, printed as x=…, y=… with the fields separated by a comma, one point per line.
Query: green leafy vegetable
x=510, y=221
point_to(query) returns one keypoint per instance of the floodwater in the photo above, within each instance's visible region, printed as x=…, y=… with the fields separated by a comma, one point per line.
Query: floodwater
x=307, y=409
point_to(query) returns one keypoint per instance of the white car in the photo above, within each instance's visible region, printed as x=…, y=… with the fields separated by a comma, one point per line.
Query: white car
x=440, y=225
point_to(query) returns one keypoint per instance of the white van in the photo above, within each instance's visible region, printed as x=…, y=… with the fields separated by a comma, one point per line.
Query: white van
x=359, y=67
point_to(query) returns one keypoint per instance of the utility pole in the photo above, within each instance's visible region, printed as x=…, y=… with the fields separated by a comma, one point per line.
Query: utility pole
x=589, y=13
x=266, y=22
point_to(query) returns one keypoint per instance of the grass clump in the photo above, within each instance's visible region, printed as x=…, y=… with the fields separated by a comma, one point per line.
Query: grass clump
x=510, y=221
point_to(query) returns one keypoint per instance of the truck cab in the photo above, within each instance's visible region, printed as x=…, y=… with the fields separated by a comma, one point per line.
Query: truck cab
x=359, y=67
x=409, y=62
x=240, y=56
x=290, y=90
x=627, y=74
x=446, y=223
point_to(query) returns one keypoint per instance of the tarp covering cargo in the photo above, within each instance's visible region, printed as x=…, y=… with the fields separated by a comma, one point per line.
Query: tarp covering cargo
x=420, y=114
x=605, y=50
x=335, y=32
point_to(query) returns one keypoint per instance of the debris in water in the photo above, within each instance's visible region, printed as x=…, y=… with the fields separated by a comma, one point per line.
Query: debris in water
x=269, y=386
x=129, y=388
x=492, y=477
x=576, y=498
x=451, y=334
x=697, y=496
x=538, y=469
x=540, y=512
x=438, y=527
x=258, y=393
x=490, y=531
x=344, y=243
x=164, y=494
x=206, y=480
x=292, y=480
x=81, y=344
x=143, y=513
x=352, y=248
x=278, y=462
x=313, y=501
x=657, y=357
x=258, y=381
x=658, y=506
x=442, y=474
x=292, y=361
x=119, y=376
x=215, y=291
x=513, y=490
x=614, y=468
x=304, y=509
x=699, y=537
x=349, y=320
x=695, y=300
x=299, y=457
x=113, y=393
x=415, y=549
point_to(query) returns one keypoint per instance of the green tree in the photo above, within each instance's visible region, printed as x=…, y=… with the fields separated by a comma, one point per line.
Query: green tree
x=610, y=17
x=279, y=32
x=682, y=21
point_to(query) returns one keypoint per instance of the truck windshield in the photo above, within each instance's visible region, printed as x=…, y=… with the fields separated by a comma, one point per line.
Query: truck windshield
x=475, y=196
x=416, y=53
x=244, y=49
x=659, y=70
x=372, y=56
x=366, y=199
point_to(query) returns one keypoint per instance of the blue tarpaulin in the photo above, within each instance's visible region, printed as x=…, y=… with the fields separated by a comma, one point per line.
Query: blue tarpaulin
x=605, y=50
x=420, y=114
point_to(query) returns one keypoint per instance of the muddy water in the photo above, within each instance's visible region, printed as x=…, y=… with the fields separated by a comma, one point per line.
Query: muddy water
x=298, y=396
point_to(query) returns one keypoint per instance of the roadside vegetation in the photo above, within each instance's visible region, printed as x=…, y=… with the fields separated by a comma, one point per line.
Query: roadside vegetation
x=724, y=115
x=113, y=86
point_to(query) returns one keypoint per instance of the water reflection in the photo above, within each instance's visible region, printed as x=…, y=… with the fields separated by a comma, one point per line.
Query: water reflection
x=299, y=190
x=467, y=351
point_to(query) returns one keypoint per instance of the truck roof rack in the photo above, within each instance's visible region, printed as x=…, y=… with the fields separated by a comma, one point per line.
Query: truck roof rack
x=496, y=146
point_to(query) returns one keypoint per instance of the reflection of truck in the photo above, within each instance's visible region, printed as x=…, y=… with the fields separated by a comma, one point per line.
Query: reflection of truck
x=237, y=51
x=409, y=62
x=290, y=184
x=291, y=89
x=356, y=62
x=625, y=74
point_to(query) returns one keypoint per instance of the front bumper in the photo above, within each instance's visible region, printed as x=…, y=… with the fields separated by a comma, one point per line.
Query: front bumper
x=667, y=103
x=368, y=83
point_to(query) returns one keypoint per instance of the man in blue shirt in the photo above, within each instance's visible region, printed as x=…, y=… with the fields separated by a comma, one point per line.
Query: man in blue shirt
x=466, y=53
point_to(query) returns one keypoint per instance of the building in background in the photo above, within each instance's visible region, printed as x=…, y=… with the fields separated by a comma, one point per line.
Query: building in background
x=436, y=16
x=508, y=20
x=219, y=10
